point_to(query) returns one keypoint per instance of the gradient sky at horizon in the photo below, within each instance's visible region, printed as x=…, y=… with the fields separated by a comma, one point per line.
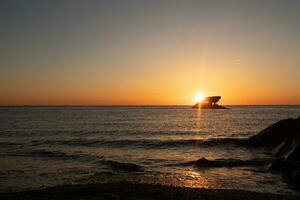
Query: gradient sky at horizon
x=149, y=52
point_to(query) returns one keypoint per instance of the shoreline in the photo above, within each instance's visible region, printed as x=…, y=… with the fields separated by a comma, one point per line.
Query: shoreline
x=125, y=190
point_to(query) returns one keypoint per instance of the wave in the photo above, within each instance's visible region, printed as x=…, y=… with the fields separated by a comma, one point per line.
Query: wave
x=114, y=165
x=46, y=154
x=124, y=166
x=205, y=163
x=224, y=141
x=8, y=144
x=146, y=143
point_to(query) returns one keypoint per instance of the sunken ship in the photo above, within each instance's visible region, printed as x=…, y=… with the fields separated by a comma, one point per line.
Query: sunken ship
x=210, y=102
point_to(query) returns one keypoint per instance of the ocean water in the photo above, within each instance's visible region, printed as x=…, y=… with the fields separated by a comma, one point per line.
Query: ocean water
x=48, y=146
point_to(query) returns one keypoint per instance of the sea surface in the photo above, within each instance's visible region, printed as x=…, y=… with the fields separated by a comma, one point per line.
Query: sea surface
x=48, y=146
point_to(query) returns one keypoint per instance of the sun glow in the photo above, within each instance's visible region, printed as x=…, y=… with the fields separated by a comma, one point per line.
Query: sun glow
x=199, y=97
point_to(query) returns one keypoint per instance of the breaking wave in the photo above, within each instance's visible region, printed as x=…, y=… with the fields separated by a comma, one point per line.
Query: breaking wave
x=123, y=166
x=114, y=165
x=206, y=163
x=46, y=154
x=145, y=143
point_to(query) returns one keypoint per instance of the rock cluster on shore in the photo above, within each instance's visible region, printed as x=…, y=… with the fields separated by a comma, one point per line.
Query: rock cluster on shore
x=283, y=138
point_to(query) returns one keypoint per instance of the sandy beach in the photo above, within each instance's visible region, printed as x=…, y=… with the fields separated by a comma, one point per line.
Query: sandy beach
x=138, y=191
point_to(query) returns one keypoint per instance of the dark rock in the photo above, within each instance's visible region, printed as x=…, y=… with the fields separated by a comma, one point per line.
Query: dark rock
x=276, y=134
x=209, y=102
x=294, y=154
x=289, y=150
x=283, y=138
x=295, y=178
x=283, y=166
x=214, y=106
x=289, y=169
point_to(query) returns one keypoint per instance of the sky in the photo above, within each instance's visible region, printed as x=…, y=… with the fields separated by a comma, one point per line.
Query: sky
x=149, y=52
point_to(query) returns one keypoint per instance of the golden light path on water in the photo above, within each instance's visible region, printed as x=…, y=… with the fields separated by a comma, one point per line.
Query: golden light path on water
x=201, y=182
x=184, y=178
x=188, y=176
x=195, y=179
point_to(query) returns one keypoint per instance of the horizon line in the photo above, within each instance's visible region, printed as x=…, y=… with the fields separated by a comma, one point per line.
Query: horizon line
x=131, y=105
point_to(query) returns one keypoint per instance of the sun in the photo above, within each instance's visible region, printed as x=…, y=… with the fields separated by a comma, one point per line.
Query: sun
x=199, y=97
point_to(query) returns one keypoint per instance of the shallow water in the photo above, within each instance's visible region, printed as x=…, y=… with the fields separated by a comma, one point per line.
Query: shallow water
x=46, y=146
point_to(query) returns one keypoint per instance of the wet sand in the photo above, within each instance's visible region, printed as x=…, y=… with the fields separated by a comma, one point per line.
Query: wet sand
x=137, y=191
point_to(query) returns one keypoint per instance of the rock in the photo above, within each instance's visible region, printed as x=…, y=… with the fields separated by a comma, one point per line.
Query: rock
x=289, y=169
x=209, y=102
x=276, y=134
x=295, y=178
x=294, y=154
x=289, y=150
x=214, y=106
x=283, y=138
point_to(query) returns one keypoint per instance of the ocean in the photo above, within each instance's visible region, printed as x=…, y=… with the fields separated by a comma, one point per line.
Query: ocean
x=48, y=146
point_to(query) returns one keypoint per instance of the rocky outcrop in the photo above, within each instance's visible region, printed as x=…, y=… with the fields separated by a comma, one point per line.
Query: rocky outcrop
x=209, y=102
x=211, y=106
x=276, y=134
x=283, y=138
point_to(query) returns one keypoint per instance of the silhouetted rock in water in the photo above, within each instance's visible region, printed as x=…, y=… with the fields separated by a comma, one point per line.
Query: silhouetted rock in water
x=215, y=106
x=126, y=167
x=209, y=102
x=283, y=138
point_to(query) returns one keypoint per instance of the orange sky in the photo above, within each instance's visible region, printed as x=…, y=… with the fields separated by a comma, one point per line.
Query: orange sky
x=149, y=53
